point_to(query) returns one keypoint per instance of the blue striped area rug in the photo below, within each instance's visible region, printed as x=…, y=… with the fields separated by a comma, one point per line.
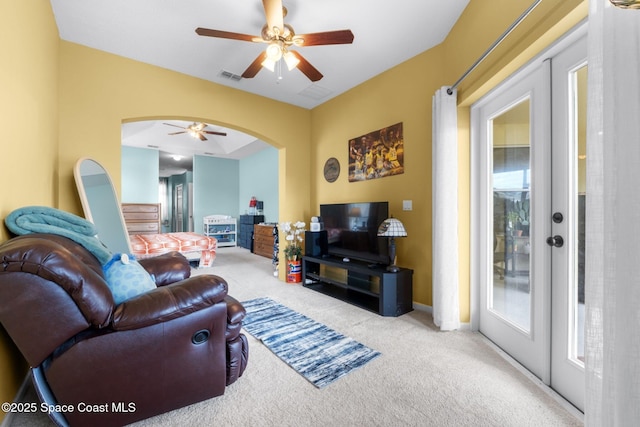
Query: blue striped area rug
x=316, y=352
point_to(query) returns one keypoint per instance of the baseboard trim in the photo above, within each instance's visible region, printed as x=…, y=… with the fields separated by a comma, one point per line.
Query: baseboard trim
x=542, y=386
x=423, y=307
x=428, y=309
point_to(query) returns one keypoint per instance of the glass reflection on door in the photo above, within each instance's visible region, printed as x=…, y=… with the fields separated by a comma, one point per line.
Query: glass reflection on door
x=510, y=287
x=576, y=287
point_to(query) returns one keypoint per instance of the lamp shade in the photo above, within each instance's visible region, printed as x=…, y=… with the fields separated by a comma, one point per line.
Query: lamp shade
x=291, y=60
x=626, y=4
x=274, y=51
x=392, y=227
x=269, y=64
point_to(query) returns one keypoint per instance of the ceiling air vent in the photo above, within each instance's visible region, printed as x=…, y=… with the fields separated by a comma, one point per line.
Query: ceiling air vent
x=315, y=92
x=229, y=75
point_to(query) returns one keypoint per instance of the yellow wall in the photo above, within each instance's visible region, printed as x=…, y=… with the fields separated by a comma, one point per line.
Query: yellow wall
x=29, y=140
x=61, y=101
x=403, y=94
x=98, y=91
x=484, y=21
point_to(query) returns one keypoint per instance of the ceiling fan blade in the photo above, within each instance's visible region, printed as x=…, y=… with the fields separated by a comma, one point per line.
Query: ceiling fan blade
x=201, y=136
x=255, y=66
x=225, y=35
x=210, y=132
x=273, y=12
x=307, y=69
x=324, y=38
x=169, y=124
x=178, y=133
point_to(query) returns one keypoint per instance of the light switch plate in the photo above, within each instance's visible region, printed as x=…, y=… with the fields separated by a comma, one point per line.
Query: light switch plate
x=407, y=205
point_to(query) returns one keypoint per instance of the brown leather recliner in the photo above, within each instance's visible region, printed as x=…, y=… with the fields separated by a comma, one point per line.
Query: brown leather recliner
x=113, y=365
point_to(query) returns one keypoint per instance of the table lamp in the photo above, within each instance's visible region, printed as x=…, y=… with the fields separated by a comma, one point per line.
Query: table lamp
x=392, y=228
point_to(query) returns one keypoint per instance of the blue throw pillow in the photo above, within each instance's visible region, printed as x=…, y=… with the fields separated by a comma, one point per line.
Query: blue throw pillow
x=127, y=278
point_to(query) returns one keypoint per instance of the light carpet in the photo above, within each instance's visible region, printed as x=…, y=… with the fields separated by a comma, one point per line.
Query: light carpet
x=424, y=378
x=316, y=352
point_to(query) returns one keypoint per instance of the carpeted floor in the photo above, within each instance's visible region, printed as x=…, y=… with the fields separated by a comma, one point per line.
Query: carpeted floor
x=423, y=378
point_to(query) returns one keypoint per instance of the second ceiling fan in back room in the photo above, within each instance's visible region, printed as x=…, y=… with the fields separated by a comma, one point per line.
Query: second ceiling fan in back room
x=280, y=37
x=196, y=130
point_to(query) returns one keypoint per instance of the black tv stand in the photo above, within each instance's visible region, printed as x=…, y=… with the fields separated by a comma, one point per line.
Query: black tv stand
x=368, y=286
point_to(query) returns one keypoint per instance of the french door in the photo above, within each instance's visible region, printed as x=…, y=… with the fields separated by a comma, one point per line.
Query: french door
x=528, y=212
x=569, y=80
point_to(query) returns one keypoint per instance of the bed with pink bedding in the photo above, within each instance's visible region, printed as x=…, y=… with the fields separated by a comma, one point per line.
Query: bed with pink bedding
x=191, y=245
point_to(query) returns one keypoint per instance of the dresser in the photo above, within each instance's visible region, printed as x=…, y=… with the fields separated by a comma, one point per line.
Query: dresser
x=142, y=218
x=263, y=240
x=245, y=230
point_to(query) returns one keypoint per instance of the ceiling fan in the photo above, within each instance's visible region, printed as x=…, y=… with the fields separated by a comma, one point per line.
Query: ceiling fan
x=196, y=130
x=280, y=37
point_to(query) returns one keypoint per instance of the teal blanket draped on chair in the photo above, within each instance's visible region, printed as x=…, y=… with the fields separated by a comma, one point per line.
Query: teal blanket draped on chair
x=42, y=219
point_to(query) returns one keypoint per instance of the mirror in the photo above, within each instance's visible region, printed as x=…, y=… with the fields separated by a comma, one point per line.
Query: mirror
x=100, y=204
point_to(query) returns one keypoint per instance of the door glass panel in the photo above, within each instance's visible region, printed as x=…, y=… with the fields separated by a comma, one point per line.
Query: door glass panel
x=576, y=290
x=510, y=287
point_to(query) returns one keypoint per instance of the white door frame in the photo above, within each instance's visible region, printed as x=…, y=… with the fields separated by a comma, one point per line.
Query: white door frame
x=568, y=375
x=530, y=346
x=475, y=268
x=479, y=258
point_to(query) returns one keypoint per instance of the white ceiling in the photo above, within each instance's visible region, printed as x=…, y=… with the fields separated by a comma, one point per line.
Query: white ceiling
x=162, y=33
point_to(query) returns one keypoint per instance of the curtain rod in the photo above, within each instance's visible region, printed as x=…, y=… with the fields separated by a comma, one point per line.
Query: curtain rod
x=494, y=45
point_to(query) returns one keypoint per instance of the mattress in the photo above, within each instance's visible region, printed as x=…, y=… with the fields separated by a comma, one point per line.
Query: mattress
x=193, y=246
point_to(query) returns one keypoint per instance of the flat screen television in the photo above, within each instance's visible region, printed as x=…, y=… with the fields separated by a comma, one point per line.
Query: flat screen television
x=352, y=230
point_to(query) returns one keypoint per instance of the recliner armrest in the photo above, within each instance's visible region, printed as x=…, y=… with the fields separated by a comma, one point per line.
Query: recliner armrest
x=235, y=315
x=167, y=268
x=235, y=310
x=169, y=302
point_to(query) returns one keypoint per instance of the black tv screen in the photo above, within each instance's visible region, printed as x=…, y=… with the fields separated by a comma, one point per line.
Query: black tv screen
x=352, y=230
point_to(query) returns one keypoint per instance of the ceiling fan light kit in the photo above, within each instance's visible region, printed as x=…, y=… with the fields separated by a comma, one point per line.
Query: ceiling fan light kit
x=274, y=50
x=280, y=37
x=291, y=60
x=196, y=130
x=269, y=64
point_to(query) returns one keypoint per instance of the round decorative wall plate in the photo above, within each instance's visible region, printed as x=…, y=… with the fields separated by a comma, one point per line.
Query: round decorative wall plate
x=331, y=169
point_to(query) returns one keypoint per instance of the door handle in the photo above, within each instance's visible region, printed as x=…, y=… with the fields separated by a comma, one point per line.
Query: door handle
x=556, y=241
